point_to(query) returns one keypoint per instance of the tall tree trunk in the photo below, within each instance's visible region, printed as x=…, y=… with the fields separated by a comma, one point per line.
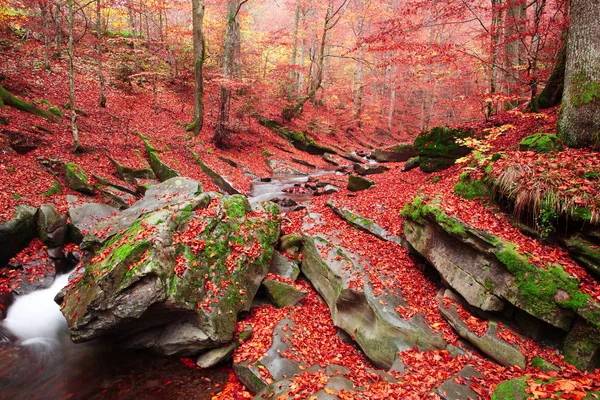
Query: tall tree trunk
x=579, y=120
x=199, y=53
x=497, y=14
x=511, y=49
x=392, y=104
x=74, y=129
x=358, y=96
x=538, y=10
x=44, y=15
x=300, y=81
x=232, y=35
x=99, y=54
x=293, y=58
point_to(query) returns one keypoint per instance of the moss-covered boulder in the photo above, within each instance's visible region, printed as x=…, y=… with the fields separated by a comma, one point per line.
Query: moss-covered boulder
x=582, y=346
x=585, y=249
x=488, y=271
x=513, y=389
x=16, y=233
x=440, y=147
x=398, y=153
x=541, y=143
x=161, y=170
x=175, y=280
x=357, y=183
x=470, y=188
x=77, y=179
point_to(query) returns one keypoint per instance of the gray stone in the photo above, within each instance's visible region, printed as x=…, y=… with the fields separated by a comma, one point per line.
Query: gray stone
x=357, y=183
x=369, y=169
x=398, y=153
x=503, y=352
x=372, y=321
x=169, y=193
x=85, y=217
x=52, y=226
x=220, y=181
x=16, y=233
x=281, y=266
x=452, y=390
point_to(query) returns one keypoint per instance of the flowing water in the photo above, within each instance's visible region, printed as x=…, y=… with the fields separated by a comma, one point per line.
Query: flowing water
x=39, y=361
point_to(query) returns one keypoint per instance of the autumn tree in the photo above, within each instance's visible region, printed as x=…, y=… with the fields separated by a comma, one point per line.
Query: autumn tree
x=74, y=128
x=101, y=81
x=579, y=121
x=232, y=42
x=331, y=19
x=199, y=54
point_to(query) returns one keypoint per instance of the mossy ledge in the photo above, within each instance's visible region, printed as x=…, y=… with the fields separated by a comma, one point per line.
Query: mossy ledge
x=543, y=290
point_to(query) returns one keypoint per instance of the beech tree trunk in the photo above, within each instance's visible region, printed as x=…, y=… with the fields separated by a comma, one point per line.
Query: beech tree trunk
x=497, y=14
x=552, y=94
x=44, y=15
x=579, y=120
x=99, y=54
x=232, y=37
x=199, y=53
x=512, y=46
x=74, y=128
x=293, y=58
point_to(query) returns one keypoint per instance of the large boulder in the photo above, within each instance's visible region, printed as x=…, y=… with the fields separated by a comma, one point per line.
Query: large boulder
x=169, y=193
x=371, y=319
x=174, y=279
x=489, y=272
x=85, y=216
x=440, y=147
x=16, y=233
x=398, y=153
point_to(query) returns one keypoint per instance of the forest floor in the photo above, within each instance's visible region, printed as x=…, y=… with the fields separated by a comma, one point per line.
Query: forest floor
x=161, y=116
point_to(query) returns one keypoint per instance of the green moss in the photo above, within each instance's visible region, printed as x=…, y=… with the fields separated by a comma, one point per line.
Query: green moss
x=77, y=171
x=126, y=250
x=418, y=210
x=54, y=189
x=539, y=286
x=236, y=206
x=514, y=389
x=582, y=213
x=541, y=143
x=497, y=156
x=470, y=189
x=441, y=142
x=543, y=365
x=489, y=285
x=584, y=90
x=56, y=111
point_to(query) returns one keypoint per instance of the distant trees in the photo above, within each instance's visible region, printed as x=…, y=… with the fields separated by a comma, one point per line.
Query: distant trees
x=579, y=120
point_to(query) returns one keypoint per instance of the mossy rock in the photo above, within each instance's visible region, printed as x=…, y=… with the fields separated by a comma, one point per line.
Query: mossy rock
x=441, y=142
x=585, y=252
x=131, y=174
x=513, y=389
x=77, y=179
x=398, y=153
x=162, y=171
x=412, y=163
x=582, y=346
x=282, y=294
x=299, y=140
x=54, y=189
x=434, y=164
x=543, y=365
x=175, y=280
x=541, y=143
x=357, y=183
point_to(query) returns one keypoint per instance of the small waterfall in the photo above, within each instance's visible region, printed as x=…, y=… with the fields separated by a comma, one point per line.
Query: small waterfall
x=35, y=318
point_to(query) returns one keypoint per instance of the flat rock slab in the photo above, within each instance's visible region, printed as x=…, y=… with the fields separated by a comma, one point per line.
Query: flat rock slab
x=282, y=294
x=283, y=267
x=458, y=387
x=371, y=320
